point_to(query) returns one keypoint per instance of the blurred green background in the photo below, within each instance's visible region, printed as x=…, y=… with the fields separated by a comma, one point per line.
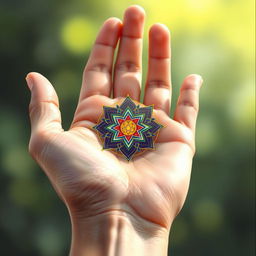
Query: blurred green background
x=214, y=38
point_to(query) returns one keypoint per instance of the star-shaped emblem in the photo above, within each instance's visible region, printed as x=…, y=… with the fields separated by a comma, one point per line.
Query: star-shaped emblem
x=128, y=129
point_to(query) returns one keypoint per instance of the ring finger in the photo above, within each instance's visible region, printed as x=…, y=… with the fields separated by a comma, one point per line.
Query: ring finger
x=158, y=82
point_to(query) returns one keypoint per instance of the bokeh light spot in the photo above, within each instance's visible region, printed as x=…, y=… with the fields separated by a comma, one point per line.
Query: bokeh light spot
x=208, y=215
x=77, y=34
x=17, y=163
x=242, y=108
x=67, y=84
x=179, y=231
x=24, y=192
x=207, y=137
x=48, y=240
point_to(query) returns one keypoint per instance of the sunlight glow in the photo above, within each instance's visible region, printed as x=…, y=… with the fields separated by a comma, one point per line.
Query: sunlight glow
x=77, y=34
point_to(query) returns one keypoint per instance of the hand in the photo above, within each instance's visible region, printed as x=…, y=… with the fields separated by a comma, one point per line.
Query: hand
x=147, y=192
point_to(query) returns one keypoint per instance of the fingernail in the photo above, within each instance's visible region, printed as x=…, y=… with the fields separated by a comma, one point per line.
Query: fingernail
x=29, y=81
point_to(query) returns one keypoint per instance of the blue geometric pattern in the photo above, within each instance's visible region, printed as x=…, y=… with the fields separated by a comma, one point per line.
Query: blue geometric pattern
x=128, y=129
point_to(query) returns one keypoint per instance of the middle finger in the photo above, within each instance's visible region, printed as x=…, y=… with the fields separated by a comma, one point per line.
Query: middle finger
x=127, y=78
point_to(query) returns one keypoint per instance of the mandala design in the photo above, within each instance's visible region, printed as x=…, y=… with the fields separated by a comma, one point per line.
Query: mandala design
x=128, y=129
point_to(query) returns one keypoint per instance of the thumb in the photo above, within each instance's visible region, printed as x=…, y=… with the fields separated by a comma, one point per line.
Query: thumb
x=44, y=105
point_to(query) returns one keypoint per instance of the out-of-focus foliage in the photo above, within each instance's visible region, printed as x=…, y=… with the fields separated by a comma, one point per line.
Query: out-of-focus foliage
x=214, y=38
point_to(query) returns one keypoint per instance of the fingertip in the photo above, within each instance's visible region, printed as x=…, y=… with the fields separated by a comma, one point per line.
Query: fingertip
x=40, y=86
x=110, y=32
x=159, y=41
x=133, y=20
x=34, y=75
x=29, y=80
x=159, y=28
x=32, y=78
x=112, y=22
x=159, y=34
x=135, y=11
x=192, y=81
x=195, y=78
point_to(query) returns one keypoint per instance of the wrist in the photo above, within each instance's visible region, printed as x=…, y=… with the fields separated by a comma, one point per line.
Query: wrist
x=117, y=233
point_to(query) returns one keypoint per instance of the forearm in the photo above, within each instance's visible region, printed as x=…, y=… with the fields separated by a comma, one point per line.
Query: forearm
x=111, y=234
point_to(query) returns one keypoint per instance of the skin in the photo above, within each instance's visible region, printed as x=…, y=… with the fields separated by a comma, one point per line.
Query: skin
x=118, y=207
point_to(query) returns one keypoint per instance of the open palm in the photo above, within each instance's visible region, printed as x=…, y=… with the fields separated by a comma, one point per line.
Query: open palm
x=150, y=189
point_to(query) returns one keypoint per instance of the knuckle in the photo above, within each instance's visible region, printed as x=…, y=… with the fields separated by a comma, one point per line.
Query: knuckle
x=189, y=104
x=34, y=147
x=189, y=136
x=128, y=66
x=99, y=67
x=190, y=86
x=36, y=144
x=38, y=107
x=31, y=109
x=158, y=83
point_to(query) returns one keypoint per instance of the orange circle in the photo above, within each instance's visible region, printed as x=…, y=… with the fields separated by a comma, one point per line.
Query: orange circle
x=128, y=127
